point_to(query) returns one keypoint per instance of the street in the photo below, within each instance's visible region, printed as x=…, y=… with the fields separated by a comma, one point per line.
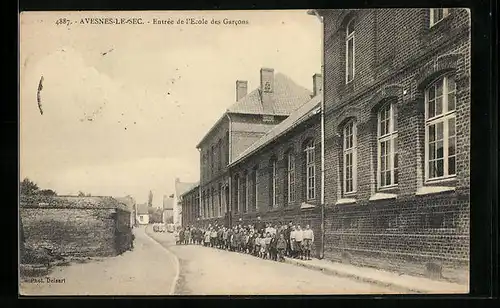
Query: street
x=146, y=270
x=151, y=269
x=209, y=271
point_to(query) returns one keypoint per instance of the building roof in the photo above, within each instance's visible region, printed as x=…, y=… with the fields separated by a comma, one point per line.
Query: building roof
x=142, y=209
x=183, y=187
x=72, y=202
x=190, y=189
x=300, y=115
x=286, y=97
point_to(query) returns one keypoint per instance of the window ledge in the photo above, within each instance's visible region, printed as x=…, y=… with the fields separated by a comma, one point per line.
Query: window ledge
x=345, y=201
x=382, y=196
x=306, y=205
x=433, y=190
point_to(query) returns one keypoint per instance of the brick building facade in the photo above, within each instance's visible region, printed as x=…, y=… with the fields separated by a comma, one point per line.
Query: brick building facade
x=278, y=177
x=245, y=122
x=397, y=138
x=190, y=204
x=396, y=145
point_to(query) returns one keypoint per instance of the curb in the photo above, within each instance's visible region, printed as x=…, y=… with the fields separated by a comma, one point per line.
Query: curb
x=177, y=264
x=332, y=272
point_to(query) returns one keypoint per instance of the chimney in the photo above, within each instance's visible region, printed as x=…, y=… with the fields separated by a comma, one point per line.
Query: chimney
x=241, y=89
x=267, y=80
x=267, y=89
x=317, y=84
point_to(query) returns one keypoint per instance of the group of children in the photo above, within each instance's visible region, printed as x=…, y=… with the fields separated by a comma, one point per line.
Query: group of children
x=261, y=240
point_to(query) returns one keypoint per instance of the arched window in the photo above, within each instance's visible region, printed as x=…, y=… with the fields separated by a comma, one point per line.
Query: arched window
x=387, y=174
x=436, y=15
x=244, y=192
x=205, y=204
x=237, y=194
x=350, y=157
x=247, y=192
x=255, y=185
x=310, y=170
x=219, y=154
x=274, y=182
x=212, y=202
x=219, y=196
x=349, y=51
x=291, y=176
x=440, y=134
x=212, y=161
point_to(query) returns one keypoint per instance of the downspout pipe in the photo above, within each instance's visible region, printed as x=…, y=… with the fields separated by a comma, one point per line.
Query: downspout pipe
x=200, y=201
x=230, y=198
x=322, y=206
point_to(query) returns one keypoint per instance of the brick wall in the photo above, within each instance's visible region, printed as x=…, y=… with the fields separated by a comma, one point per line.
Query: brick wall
x=285, y=211
x=246, y=129
x=190, y=206
x=397, y=55
x=77, y=232
x=213, y=164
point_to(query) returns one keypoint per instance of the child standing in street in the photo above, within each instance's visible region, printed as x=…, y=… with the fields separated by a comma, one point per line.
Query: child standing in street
x=262, y=246
x=307, y=242
x=177, y=237
x=299, y=236
x=281, y=246
x=213, y=237
x=187, y=236
x=267, y=242
x=256, y=249
x=207, y=238
x=273, y=247
x=293, y=248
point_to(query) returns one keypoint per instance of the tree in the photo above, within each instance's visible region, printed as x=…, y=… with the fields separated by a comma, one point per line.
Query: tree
x=28, y=187
x=47, y=192
x=81, y=194
x=155, y=215
x=150, y=199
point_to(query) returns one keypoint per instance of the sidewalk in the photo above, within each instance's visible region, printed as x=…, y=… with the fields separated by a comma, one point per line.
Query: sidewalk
x=146, y=270
x=405, y=283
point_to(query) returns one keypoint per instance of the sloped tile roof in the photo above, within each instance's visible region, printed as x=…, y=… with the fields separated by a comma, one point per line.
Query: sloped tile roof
x=183, y=187
x=301, y=114
x=142, y=209
x=287, y=96
x=97, y=202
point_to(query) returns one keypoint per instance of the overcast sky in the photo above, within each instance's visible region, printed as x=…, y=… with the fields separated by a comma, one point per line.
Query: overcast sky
x=125, y=105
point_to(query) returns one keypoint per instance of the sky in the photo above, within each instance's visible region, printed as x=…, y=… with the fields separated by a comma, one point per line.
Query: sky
x=125, y=105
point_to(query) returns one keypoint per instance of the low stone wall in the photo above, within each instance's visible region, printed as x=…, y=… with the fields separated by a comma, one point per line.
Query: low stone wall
x=76, y=232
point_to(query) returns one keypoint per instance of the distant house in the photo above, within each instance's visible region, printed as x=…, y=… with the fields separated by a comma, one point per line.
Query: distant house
x=142, y=214
x=76, y=226
x=168, y=209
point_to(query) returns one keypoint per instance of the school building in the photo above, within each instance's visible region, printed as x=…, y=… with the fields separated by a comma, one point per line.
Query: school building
x=397, y=138
x=248, y=119
x=377, y=163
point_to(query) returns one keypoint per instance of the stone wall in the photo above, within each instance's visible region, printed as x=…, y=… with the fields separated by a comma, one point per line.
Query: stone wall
x=77, y=232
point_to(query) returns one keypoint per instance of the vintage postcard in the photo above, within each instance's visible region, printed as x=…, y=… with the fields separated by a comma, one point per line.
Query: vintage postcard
x=245, y=152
